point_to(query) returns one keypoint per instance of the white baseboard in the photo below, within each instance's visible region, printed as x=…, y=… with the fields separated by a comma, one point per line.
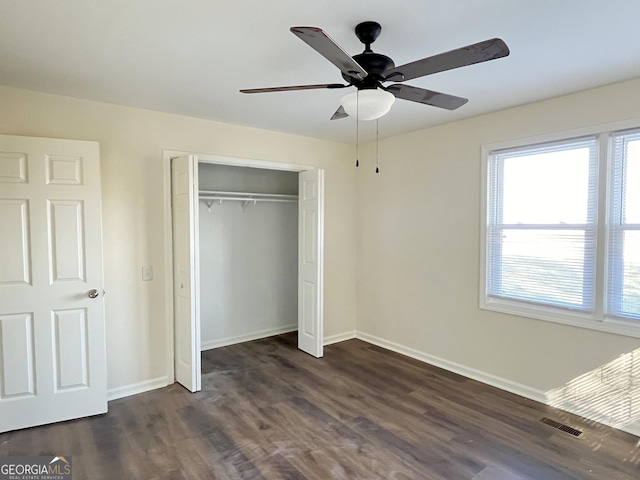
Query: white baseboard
x=494, y=381
x=135, y=388
x=340, y=337
x=208, y=345
x=632, y=429
x=224, y=342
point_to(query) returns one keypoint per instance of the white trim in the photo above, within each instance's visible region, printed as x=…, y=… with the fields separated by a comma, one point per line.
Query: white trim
x=340, y=337
x=135, y=388
x=241, y=162
x=602, y=218
x=224, y=342
x=478, y=375
x=253, y=163
x=330, y=340
x=485, y=154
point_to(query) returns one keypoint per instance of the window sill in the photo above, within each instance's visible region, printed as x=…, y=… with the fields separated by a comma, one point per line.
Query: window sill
x=565, y=317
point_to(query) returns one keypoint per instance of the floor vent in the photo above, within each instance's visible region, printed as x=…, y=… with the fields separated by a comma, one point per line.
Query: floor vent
x=561, y=426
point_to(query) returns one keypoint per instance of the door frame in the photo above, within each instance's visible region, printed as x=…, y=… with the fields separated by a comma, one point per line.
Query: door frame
x=167, y=155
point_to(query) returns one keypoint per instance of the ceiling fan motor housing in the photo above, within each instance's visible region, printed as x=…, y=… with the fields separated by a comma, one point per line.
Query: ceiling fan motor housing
x=375, y=64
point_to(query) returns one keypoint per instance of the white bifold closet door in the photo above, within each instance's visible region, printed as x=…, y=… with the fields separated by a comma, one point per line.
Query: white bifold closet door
x=186, y=276
x=310, y=261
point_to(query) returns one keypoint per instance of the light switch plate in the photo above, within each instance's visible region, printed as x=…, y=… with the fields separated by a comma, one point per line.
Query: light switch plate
x=147, y=273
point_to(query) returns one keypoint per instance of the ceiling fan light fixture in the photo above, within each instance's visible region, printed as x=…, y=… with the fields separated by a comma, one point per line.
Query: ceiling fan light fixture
x=368, y=104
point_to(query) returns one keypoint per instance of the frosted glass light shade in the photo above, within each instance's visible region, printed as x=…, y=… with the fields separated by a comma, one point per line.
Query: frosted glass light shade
x=372, y=103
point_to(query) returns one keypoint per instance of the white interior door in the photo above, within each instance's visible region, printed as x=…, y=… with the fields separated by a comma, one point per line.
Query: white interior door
x=186, y=276
x=310, y=261
x=52, y=338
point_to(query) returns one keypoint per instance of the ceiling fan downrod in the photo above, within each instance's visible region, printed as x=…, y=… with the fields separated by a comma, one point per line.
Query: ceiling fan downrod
x=367, y=32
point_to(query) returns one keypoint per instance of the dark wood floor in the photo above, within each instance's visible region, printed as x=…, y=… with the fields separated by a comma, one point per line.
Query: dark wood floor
x=269, y=411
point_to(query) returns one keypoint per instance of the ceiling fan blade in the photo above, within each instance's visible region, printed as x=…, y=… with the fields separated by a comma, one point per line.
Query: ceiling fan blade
x=294, y=87
x=322, y=43
x=461, y=57
x=428, y=97
x=340, y=113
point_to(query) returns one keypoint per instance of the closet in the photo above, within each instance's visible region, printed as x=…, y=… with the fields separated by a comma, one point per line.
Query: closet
x=247, y=240
x=248, y=253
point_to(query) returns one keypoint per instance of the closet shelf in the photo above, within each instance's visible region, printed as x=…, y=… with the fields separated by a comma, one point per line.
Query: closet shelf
x=211, y=196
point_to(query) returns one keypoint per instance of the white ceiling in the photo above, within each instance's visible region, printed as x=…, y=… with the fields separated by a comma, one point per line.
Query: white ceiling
x=191, y=57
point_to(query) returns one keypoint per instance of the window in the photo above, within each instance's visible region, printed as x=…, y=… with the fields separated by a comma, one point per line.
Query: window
x=624, y=231
x=553, y=248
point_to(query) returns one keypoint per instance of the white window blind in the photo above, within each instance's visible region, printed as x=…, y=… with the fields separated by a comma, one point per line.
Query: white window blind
x=623, y=296
x=541, y=224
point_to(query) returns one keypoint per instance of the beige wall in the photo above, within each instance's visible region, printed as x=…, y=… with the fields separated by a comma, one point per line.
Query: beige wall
x=419, y=247
x=131, y=143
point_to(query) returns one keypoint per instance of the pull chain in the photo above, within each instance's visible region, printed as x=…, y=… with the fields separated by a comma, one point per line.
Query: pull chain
x=357, y=127
x=377, y=144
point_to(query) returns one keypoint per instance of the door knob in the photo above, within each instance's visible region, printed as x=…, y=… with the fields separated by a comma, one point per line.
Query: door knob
x=93, y=293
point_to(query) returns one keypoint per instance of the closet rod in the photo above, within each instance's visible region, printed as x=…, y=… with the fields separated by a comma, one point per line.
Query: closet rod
x=246, y=196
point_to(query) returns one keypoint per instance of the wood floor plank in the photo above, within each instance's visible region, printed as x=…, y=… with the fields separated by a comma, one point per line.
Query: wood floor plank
x=277, y=466
x=270, y=411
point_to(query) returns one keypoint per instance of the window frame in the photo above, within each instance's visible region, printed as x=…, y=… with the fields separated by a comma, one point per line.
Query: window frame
x=596, y=319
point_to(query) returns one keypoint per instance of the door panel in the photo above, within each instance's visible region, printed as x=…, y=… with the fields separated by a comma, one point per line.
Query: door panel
x=13, y=167
x=15, y=257
x=310, y=261
x=64, y=170
x=71, y=354
x=186, y=275
x=309, y=301
x=66, y=240
x=17, y=356
x=53, y=359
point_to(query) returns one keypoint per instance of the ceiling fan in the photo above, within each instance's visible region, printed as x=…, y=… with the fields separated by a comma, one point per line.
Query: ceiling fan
x=368, y=71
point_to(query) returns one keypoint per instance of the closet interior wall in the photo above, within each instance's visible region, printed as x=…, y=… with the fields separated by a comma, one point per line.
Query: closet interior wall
x=248, y=256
